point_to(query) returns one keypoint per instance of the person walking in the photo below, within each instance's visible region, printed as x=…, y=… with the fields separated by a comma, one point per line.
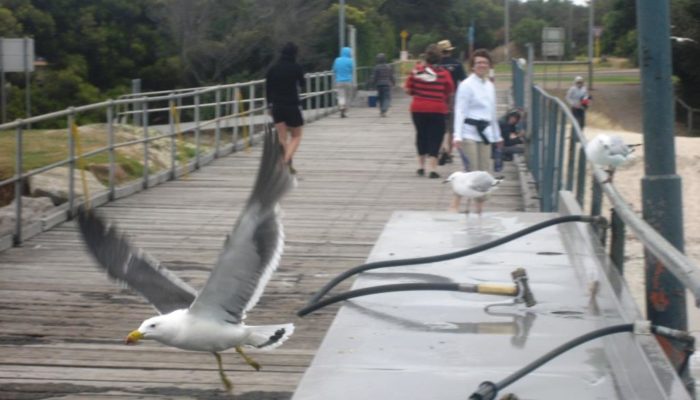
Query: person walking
x=383, y=80
x=342, y=68
x=432, y=88
x=578, y=99
x=456, y=70
x=476, y=123
x=283, y=82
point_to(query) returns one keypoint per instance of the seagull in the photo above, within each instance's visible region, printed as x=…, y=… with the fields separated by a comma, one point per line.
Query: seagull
x=475, y=185
x=211, y=320
x=609, y=151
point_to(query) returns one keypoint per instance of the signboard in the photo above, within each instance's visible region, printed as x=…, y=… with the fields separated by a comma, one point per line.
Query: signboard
x=552, y=49
x=553, y=42
x=552, y=34
x=16, y=55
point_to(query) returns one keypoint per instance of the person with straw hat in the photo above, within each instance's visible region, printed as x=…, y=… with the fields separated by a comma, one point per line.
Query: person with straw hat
x=456, y=70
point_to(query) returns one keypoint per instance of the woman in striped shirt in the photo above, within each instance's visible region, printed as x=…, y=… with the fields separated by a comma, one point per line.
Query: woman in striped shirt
x=431, y=87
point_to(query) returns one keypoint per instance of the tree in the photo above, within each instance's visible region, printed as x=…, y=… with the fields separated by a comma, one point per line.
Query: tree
x=529, y=30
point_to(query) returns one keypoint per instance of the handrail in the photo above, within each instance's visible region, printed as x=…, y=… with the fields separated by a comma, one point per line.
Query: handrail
x=239, y=107
x=550, y=116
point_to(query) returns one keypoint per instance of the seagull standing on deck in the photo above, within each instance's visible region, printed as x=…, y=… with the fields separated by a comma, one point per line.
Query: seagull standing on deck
x=475, y=185
x=212, y=320
x=609, y=151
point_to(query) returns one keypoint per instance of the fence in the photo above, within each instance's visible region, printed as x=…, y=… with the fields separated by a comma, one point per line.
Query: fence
x=557, y=161
x=689, y=114
x=227, y=117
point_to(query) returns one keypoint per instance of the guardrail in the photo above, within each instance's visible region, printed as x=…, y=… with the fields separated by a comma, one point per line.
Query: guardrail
x=230, y=115
x=689, y=114
x=557, y=161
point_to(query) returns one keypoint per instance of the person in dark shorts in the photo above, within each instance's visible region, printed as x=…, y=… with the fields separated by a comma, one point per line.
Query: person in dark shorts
x=283, y=82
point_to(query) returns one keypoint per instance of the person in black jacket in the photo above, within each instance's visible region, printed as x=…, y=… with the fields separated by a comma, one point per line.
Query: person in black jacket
x=456, y=70
x=283, y=82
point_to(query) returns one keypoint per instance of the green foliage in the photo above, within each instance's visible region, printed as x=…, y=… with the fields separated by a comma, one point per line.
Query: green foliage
x=420, y=41
x=529, y=30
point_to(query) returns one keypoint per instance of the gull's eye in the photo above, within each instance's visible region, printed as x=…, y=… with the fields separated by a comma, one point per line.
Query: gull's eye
x=152, y=326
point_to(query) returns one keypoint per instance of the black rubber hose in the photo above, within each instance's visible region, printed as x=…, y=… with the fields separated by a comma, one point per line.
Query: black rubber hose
x=488, y=390
x=449, y=256
x=399, y=287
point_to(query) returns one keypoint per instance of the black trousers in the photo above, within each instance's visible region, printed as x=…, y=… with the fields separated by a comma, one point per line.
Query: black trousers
x=430, y=127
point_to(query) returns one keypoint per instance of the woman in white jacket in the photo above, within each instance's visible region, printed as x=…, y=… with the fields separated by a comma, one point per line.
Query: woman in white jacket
x=476, y=123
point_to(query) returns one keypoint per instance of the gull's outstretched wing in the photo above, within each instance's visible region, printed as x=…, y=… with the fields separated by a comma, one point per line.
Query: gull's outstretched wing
x=252, y=251
x=133, y=267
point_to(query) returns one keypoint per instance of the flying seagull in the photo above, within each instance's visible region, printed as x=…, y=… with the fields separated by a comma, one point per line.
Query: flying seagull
x=609, y=151
x=211, y=320
x=475, y=185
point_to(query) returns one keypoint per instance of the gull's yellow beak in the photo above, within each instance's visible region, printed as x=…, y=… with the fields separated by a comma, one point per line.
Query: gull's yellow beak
x=134, y=337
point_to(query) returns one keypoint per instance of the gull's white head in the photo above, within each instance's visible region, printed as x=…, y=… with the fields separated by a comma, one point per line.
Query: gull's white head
x=158, y=328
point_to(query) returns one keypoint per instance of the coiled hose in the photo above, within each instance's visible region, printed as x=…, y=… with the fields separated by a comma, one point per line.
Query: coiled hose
x=314, y=303
x=488, y=390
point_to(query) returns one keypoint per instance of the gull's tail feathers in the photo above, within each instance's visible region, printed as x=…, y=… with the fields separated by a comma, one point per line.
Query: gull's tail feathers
x=267, y=337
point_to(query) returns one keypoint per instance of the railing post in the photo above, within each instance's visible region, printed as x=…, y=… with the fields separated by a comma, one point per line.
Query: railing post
x=17, y=239
x=617, y=241
x=173, y=143
x=146, y=171
x=549, y=151
x=572, y=159
x=71, y=165
x=196, y=130
x=581, y=176
x=561, y=140
x=237, y=119
x=307, y=83
x=217, y=116
x=535, y=133
x=110, y=151
x=251, y=115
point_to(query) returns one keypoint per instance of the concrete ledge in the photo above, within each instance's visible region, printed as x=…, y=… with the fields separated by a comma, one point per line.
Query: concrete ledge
x=528, y=189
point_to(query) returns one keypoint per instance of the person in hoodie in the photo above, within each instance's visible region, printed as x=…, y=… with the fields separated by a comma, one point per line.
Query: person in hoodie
x=342, y=68
x=383, y=80
x=432, y=88
x=282, y=84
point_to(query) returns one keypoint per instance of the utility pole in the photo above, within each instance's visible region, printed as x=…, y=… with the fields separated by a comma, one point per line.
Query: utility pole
x=341, y=25
x=662, y=204
x=507, y=32
x=590, y=43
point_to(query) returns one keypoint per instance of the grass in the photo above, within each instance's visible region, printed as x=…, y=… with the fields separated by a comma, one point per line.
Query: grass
x=44, y=147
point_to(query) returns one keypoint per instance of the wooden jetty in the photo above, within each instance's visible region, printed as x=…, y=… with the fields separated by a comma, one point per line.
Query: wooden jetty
x=63, y=322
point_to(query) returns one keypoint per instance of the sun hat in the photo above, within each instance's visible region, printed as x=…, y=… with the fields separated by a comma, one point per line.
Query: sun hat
x=445, y=45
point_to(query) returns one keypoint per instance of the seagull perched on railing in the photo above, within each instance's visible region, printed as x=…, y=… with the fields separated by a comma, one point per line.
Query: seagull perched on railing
x=609, y=151
x=212, y=320
x=475, y=185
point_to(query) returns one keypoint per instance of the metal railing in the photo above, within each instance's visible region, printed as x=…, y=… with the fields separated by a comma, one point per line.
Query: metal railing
x=689, y=114
x=230, y=116
x=557, y=161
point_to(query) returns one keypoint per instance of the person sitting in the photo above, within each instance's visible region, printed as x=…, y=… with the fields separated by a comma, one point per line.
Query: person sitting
x=513, y=139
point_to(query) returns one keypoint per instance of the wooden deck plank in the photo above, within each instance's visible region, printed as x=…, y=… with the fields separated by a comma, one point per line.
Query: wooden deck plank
x=63, y=321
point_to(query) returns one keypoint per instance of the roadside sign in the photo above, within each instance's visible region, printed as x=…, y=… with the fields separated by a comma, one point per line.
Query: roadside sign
x=16, y=55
